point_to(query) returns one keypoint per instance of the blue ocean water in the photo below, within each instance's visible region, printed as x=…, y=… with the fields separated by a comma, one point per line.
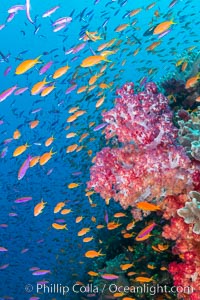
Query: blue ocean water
x=31, y=241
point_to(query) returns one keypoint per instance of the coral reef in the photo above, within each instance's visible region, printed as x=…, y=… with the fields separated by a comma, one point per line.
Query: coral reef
x=189, y=135
x=149, y=164
x=187, y=272
x=191, y=211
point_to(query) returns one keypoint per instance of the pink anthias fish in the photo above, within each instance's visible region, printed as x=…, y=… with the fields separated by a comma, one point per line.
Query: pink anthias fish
x=63, y=20
x=5, y=94
x=20, y=91
x=16, y=8
x=76, y=49
x=28, y=7
x=2, y=249
x=13, y=214
x=59, y=27
x=46, y=67
x=49, y=12
x=2, y=267
x=100, y=126
x=24, y=250
x=109, y=276
x=145, y=232
x=10, y=17
x=2, y=26
x=41, y=272
x=23, y=169
x=34, y=298
x=23, y=199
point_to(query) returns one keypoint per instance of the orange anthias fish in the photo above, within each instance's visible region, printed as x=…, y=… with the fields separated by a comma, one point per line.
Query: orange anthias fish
x=92, y=273
x=49, y=141
x=88, y=239
x=36, y=89
x=83, y=231
x=143, y=279
x=113, y=225
x=121, y=27
x=16, y=134
x=27, y=65
x=66, y=211
x=93, y=253
x=44, y=158
x=38, y=209
x=162, y=27
x=34, y=161
x=192, y=81
x=60, y=72
x=73, y=185
x=126, y=266
x=93, y=60
x=33, y=124
x=58, y=207
x=71, y=148
x=59, y=226
x=79, y=219
x=19, y=150
x=47, y=90
x=147, y=206
x=119, y=215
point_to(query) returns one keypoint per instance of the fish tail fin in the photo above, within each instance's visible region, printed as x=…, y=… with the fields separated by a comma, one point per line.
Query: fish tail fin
x=101, y=253
x=38, y=59
x=27, y=145
x=172, y=21
x=51, y=151
x=107, y=60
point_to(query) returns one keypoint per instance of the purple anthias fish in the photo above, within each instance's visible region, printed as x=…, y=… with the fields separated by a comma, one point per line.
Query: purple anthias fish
x=41, y=272
x=16, y=8
x=7, y=93
x=4, y=152
x=59, y=27
x=164, y=33
x=24, y=168
x=46, y=67
x=76, y=49
x=7, y=141
x=49, y=12
x=20, y=91
x=36, y=110
x=7, y=70
x=64, y=20
x=23, y=199
x=70, y=89
x=10, y=17
x=100, y=126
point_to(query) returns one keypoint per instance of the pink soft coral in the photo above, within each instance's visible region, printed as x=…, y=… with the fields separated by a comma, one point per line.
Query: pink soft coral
x=149, y=164
x=187, y=272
